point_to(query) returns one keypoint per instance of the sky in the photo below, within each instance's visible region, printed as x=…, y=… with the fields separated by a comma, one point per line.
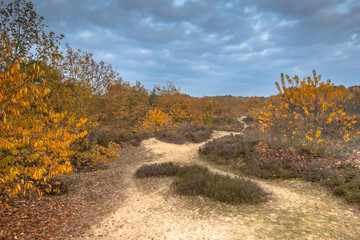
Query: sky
x=214, y=47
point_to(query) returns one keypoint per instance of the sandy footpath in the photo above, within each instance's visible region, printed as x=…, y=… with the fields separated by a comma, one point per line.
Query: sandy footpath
x=297, y=210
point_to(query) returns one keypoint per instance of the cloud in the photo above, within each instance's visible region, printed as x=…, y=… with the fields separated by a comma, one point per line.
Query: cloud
x=215, y=47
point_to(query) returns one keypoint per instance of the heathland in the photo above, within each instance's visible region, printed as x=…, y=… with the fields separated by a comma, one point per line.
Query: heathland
x=85, y=154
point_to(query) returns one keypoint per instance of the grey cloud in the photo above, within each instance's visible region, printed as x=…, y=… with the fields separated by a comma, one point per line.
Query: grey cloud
x=214, y=47
x=295, y=9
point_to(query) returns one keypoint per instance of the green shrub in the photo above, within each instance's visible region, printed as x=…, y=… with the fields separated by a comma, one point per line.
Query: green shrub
x=104, y=135
x=350, y=191
x=192, y=181
x=170, y=136
x=356, y=180
x=271, y=169
x=229, y=149
x=349, y=174
x=317, y=172
x=207, y=120
x=158, y=170
x=343, y=181
x=197, y=134
x=136, y=139
x=265, y=160
x=340, y=190
x=244, y=153
x=353, y=196
x=227, y=124
x=248, y=120
x=192, y=169
x=225, y=121
x=230, y=190
x=197, y=180
x=183, y=133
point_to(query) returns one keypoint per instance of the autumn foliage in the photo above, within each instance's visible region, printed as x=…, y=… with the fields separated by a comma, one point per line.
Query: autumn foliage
x=62, y=112
x=308, y=114
x=35, y=141
x=40, y=136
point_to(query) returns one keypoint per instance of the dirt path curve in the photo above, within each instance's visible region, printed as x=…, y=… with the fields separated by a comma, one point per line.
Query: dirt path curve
x=297, y=210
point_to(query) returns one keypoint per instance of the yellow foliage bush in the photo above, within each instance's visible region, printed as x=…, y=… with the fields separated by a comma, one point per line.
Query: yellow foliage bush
x=95, y=156
x=154, y=121
x=308, y=114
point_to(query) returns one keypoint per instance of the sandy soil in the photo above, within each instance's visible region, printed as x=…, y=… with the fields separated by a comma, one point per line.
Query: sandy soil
x=297, y=210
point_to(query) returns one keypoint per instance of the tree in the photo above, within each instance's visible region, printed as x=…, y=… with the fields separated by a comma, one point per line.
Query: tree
x=252, y=102
x=183, y=108
x=122, y=105
x=34, y=140
x=308, y=114
x=26, y=32
x=44, y=107
x=80, y=67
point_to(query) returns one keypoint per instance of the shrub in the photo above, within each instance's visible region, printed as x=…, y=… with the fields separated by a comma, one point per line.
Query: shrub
x=218, y=187
x=193, y=181
x=248, y=120
x=158, y=170
x=317, y=171
x=268, y=160
x=229, y=149
x=197, y=134
x=271, y=169
x=197, y=180
x=276, y=161
x=192, y=169
x=155, y=120
x=170, y=136
x=181, y=133
x=343, y=181
x=227, y=124
x=353, y=196
x=354, y=159
x=94, y=158
x=247, y=154
x=238, y=190
x=59, y=185
x=136, y=140
x=207, y=120
x=221, y=121
x=307, y=114
x=103, y=136
x=350, y=191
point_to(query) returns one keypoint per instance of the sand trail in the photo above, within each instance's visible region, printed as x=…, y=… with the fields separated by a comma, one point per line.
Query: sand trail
x=297, y=210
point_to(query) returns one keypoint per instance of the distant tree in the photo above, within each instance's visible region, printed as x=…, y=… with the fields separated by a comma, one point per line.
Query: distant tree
x=251, y=103
x=122, y=105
